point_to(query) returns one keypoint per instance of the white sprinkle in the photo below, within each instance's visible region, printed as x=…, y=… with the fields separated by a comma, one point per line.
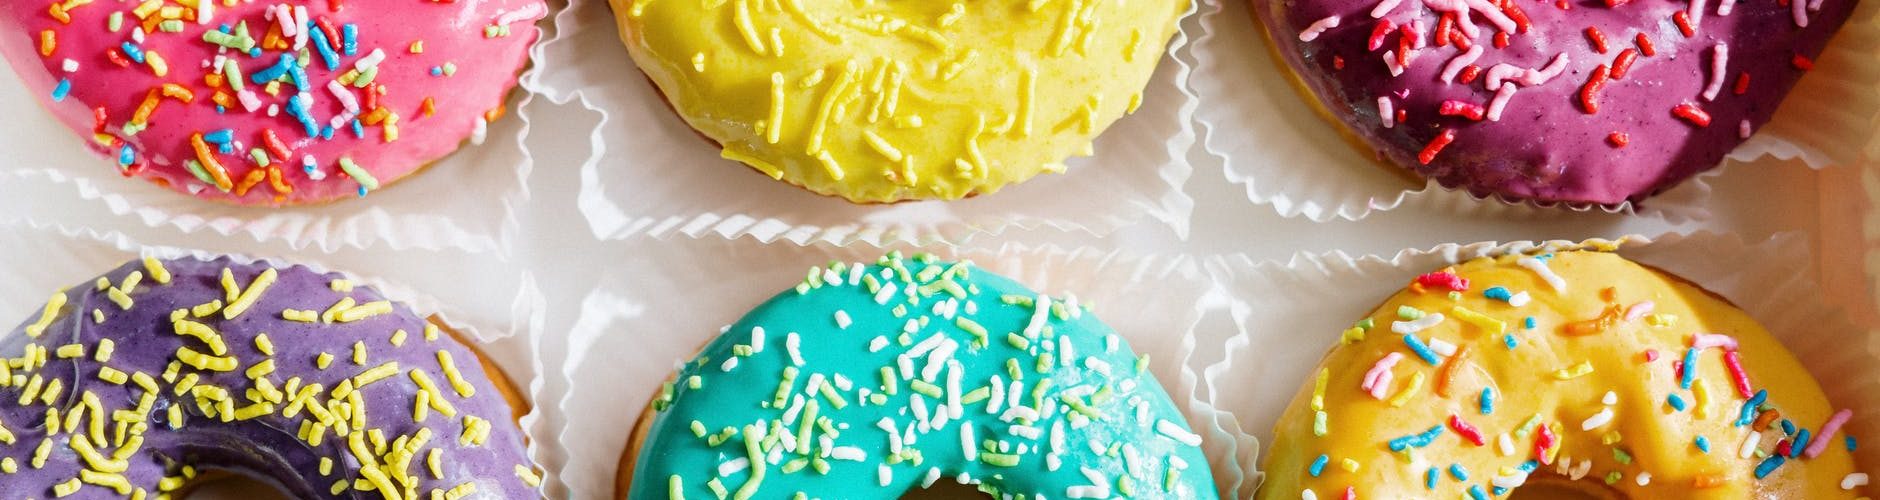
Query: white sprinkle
x=1719, y=57
x=1176, y=432
x=1644, y=478
x=933, y=475
x=1611, y=398
x=70, y=66
x=842, y=320
x=905, y=365
x=1390, y=62
x=894, y=435
x=793, y=344
x=1097, y=365
x=1505, y=445
x=1307, y=494
x=877, y=344
x=919, y=405
x=1799, y=11
x=1547, y=274
x=729, y=364
x=927, y=344
x=1065, y=351
x=733, y=466
x=1854, y=480
x=1509, y=482
x=1597, y=420
x=1109, y=343
x=1417, y=325
x=796, y=405
x=938, y=359
x=855, y=274
x=1743, y=129
x=370, y=60
x=1461, y=60
x=1025, y=431
x=1696, y=12
x=954, y=408
x=1519, y=299
x=1748, y=448
x=968, y=444
x=882, y=295
x=757, y=340
x=1383, y=8
x=1312, y=31
x=346, y=98
x=1040, y=311
x=1723, y=7
x=1019, y=412
x=1011, y=393
x=1099, y=487
x=1384, y=111
x=1442, y=347
x=842, y=382
x=481, y=132
x=997, y=397
x=883, y=474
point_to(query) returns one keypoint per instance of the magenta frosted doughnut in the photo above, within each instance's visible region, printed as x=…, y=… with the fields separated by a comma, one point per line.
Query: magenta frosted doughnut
x=1591, y=102
x=271, y=102
x=132, y=384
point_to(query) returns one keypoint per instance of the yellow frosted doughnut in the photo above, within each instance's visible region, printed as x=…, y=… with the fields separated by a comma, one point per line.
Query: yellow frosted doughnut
x=1560, y=370
x=885, y=101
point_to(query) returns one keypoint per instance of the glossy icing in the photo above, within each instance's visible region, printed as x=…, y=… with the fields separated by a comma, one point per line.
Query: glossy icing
x=886, y=349
x=1567, y=131
x=1597, y=372
x=888, y=101
x=459, y=57
x=246, y=391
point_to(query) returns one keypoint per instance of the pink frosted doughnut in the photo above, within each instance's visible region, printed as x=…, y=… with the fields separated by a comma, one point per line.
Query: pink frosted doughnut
x=274, y=102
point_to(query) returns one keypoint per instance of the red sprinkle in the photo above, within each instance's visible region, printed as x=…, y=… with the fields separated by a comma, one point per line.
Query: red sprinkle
x=1378, y=33
x=1470, y=72
x=1616, y=3
x=1645, y=45
x=1803, y=63
x=1501, y=39
x=1338, y=62
x=117, y=58
x=1436, y=146
x=1589, y=93
x=1782, y=447
x=1618, y=139
x=1463, y=109
x=1351, y=493
x=1402, y=115
x=1461, y=40
x=1444, y=279
x=1467, y=431
x=98, y=119
x=274, y=145
x=1691, y=113
x=1683, y=21
x=1520, y=17
x=1598, y=38
x=1742, y=83
x=1563, y=5
x=1543, y=441
x=1406, y=39
x=1442, y=29
x=1623, y=62
x=1737, y=376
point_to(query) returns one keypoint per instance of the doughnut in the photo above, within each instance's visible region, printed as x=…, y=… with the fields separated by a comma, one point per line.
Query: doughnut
x=879, y=102
x=1583, y=103
x=1577, y=372
x=867, y=380
x=276, y=102
x=163, y=372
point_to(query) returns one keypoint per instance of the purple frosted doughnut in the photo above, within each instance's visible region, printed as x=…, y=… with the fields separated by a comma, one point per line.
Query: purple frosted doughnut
x=131, y=385
x=1577, y=101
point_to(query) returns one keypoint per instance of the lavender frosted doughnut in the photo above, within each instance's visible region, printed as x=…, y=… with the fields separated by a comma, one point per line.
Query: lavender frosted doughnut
x=160, y=370
x=1585, y=102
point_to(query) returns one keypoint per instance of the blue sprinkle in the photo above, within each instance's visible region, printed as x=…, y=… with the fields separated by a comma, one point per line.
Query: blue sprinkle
x=126, y=155
x=132, y=51
x=1529, y=466
x=1851, y=445
x=1488, y=401
x=1769, y=465
x=219, y=136
x=1529, y=322
x=59, y=92
x=1788, y=427
x=1498, y=491
x=1318, y=465
x=254, y=52
x=219, y=109
x=274, y=72
x=1457, y=471
x=1498, y=293
x=326, y=132
x=437, y=71
x=1509, y=340
x=1748, y=413
x=1801, y=441
x=349, y=43
x=1416, y=440
x=1690, y=369
x=324, y=47
x=358, y=130
x=224, y=29
x=1476, y=493
x=362, y=191
x=1677, y=403
x=1703, y=444
x=1544, y=257
x=1422, y=350
x=1429, y=478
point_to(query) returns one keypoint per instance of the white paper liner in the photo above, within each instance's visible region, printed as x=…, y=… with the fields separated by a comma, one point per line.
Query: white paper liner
x=649, y=173
x=465, y=200
x=1290, y=313
x=49, y=257
x=656, y=310
x=1268, y=138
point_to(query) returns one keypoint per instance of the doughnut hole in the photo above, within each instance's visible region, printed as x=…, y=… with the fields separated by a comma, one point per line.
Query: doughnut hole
x=217, y=485
x=942, y=489
x=1554, y=487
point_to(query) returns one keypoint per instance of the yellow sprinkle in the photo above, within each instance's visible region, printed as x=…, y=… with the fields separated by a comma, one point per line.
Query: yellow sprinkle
x=698, y=62
x=112, y=375
x=202, y=332
x=1349, y=465
x=66, y=488
x=230, y=290
x=398, y=338
x=1488, y=325
x=359, y=353
x=261, y=369
x=46, y=315
x=205, y=309
x=422, y=408
x=1318, y=388
x=882, y=146
x=97, y=316
x=773, y=129
x=105, y=348
x=827, y=108
x=156, y=270
x=430, y=332
x=341, y=285
x=1701, y=393
x=249, y=295
x=455, y=378
x=70, y=351
x=205, y=362
x=1027, y=83
x=1573, y=372
x=254, y=411
x=323, y=360
x=264, y=345
x=338, y=307
x=53, y=389
x=528, y=476
x=438, y=403
x=303, y=316
x=32, y=389
x=742, y=17
x=326, y=466
x=375, y=374
x=435, y=463
x=157, y=64
x=364, y=311
x=758, y=163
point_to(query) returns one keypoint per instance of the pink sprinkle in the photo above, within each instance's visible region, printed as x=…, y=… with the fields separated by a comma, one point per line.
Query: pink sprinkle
x=1501, y=72
x=1703, y=341
x=1743, y=129
x=1552, y=70
x=1639, y=310
x=1384, y=110
x=1460, y=61
x=1384, y=7
x=1696, y=13
x=1494, y=15
x=1390, y=61
x=1723, y=7
x=1312, y=32
x=1814, y=5
x=1651, y=355
x=1799, y=10
x=1444, y=279
x=1416, y=32
x=1718, y=57
x=1834, y=424
x=1499, y=102
x=1377, y=380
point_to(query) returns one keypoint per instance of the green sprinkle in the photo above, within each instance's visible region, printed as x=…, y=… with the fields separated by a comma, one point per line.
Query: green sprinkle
x=353, y=170
x=890, y=384
x=999, y=459
x=975, y=395
x=698, y=429
x=925, y=388
x=756, y=454
x=1366, y=324
x=1017, y=341
x=675, y=488
x=1408, y=313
